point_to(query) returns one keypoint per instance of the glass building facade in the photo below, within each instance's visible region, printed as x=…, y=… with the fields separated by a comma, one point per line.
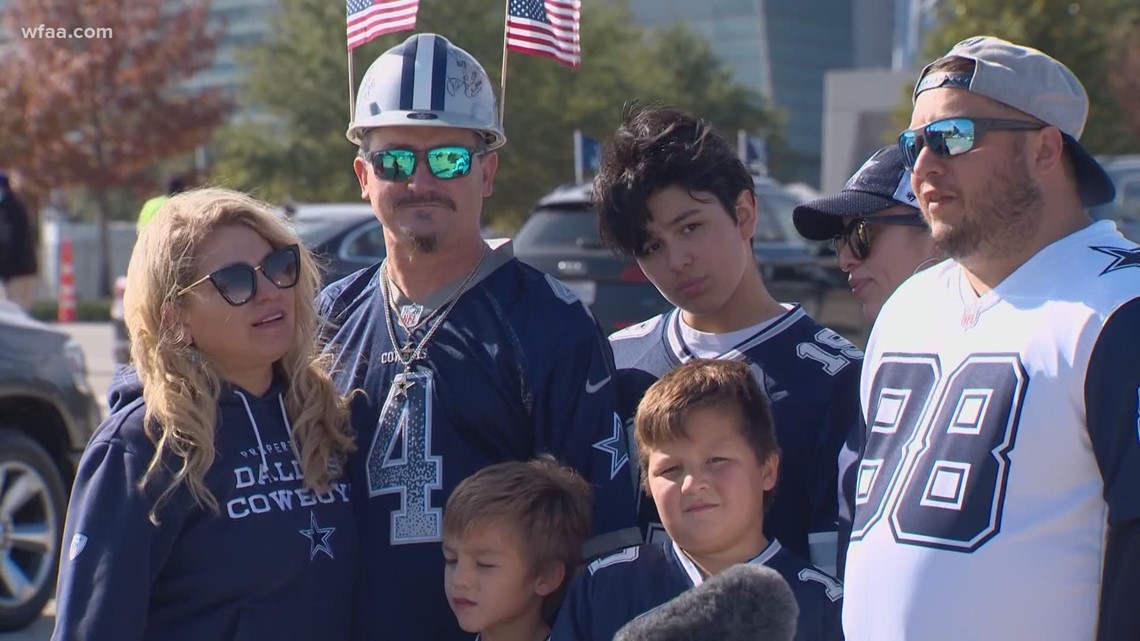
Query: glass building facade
x=779, y=47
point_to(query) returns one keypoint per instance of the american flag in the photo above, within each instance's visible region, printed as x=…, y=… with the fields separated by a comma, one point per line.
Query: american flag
x=368, y=19
x=545, y=28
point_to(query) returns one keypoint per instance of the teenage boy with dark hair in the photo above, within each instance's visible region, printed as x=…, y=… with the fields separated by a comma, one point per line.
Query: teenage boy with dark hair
x=672, y=193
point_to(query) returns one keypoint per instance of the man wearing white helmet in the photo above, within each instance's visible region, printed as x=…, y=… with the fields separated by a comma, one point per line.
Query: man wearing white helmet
x=467, y=357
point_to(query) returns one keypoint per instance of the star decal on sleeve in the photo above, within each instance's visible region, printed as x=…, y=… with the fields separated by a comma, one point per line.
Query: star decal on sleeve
x=318, y=537
x=616, y=447
x=1122, y=258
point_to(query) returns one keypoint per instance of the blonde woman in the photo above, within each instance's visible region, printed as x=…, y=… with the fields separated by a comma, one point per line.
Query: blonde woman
x=210, y=504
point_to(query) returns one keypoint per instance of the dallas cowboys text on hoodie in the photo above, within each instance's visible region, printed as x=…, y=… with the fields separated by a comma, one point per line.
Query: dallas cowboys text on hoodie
x=277, y=561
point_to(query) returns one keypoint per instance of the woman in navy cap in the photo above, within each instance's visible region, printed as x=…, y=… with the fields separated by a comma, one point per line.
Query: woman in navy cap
x=876, y=208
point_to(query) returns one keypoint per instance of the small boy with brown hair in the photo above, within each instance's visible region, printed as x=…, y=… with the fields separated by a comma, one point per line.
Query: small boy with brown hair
x=512, y=536
x=708, y=455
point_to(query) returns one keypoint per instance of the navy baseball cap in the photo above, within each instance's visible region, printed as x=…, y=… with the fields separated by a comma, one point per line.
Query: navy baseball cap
x=882, y=182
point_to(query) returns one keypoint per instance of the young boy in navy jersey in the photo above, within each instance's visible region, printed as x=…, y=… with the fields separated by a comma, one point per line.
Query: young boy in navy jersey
x=672, y=193
x=708, y=456
x=512, y=536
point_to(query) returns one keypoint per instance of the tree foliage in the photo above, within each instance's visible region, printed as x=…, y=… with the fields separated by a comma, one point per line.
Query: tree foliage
x=1082, y=35
x=1124, y=69
x=300, y=82
x=99, y=112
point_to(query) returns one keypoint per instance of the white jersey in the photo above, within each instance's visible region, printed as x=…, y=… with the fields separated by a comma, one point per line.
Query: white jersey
x=1003, y=438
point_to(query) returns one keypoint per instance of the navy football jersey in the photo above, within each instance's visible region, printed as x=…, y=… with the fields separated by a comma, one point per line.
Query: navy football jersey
x=518, y=368
x=618, y=588
x=811, y=376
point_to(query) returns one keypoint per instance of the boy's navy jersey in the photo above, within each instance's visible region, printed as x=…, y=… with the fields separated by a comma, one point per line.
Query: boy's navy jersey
x=277, y=561
x=811, y=377
x=518, y=368
x=617, y=589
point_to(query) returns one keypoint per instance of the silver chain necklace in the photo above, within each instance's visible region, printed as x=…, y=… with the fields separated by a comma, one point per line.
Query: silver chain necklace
x=411, y=352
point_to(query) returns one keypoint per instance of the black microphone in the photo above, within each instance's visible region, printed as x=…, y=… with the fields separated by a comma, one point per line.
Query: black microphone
x=746, y=602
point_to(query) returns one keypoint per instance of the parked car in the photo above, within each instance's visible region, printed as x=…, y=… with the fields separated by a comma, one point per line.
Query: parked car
x=560, y=237
x=345, y=237
x=47, y=415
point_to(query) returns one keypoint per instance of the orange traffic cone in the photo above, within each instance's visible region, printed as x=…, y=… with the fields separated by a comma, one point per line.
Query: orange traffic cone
x=66, y=283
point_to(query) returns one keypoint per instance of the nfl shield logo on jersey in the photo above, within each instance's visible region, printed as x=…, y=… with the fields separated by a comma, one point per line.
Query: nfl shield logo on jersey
x=410, y=314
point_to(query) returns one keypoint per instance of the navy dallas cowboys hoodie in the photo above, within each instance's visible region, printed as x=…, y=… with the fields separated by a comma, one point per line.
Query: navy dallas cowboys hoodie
x=277, y=561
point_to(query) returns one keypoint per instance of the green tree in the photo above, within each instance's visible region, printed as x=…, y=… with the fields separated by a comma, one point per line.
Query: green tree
x=99, y=112
x=300, y=82
x=1079, y=34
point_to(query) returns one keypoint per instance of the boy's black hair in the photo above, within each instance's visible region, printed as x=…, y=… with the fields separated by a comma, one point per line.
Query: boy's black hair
x=657, y=147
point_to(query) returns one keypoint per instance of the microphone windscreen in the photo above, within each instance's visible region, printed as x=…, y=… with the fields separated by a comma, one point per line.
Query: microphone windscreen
x=746, y=602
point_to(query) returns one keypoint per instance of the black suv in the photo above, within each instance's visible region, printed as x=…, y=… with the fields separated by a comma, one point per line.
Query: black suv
x=47, y=415
x=560, y=237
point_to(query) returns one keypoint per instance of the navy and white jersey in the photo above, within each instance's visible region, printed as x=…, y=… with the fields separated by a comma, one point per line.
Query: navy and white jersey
x=518, y=368
x=277, y=561
x=811, y=376
x=1003, y=442
x=617, y=589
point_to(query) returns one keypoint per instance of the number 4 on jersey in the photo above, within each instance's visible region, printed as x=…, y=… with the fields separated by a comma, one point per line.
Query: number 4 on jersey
x=400, y=460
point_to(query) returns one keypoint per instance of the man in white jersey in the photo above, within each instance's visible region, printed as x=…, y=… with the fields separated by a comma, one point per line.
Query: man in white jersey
x=998, y=495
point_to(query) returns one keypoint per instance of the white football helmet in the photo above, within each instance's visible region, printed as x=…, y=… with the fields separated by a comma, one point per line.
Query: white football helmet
x=427, y=81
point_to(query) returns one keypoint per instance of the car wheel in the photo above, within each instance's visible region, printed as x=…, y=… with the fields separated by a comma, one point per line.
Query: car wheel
x=32, y=508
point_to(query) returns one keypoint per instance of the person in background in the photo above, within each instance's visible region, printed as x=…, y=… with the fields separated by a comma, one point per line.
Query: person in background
x=879, y=234
x=19, y=268
x=213, y=502
x=512, y=539
x=880, y=240
x=150, y=207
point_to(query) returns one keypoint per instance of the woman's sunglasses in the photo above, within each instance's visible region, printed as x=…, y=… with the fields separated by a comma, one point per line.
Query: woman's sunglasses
x=955, y=136
x=238, y=283
x=857, y=234
x=444, y=163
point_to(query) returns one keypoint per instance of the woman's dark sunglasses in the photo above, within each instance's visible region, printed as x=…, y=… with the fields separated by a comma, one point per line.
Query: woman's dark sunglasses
x=238, y=283
x=444, y=163
x=857, y=234
x=954, y=136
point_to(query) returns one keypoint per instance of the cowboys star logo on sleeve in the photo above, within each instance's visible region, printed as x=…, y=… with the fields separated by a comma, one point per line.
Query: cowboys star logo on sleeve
x=1122, y=258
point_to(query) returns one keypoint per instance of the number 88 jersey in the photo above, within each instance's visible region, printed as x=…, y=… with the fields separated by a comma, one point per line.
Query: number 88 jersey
x=1001, y=438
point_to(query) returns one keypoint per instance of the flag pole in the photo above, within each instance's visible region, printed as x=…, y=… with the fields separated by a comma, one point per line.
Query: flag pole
x=503, y=80
x=351, y=89
x=579, y=172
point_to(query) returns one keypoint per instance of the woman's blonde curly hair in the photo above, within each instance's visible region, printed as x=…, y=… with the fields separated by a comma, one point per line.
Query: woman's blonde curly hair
x=181, y=387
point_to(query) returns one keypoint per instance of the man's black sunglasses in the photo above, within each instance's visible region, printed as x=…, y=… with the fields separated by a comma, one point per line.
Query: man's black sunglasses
x=857, y=234
x=238, y=283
